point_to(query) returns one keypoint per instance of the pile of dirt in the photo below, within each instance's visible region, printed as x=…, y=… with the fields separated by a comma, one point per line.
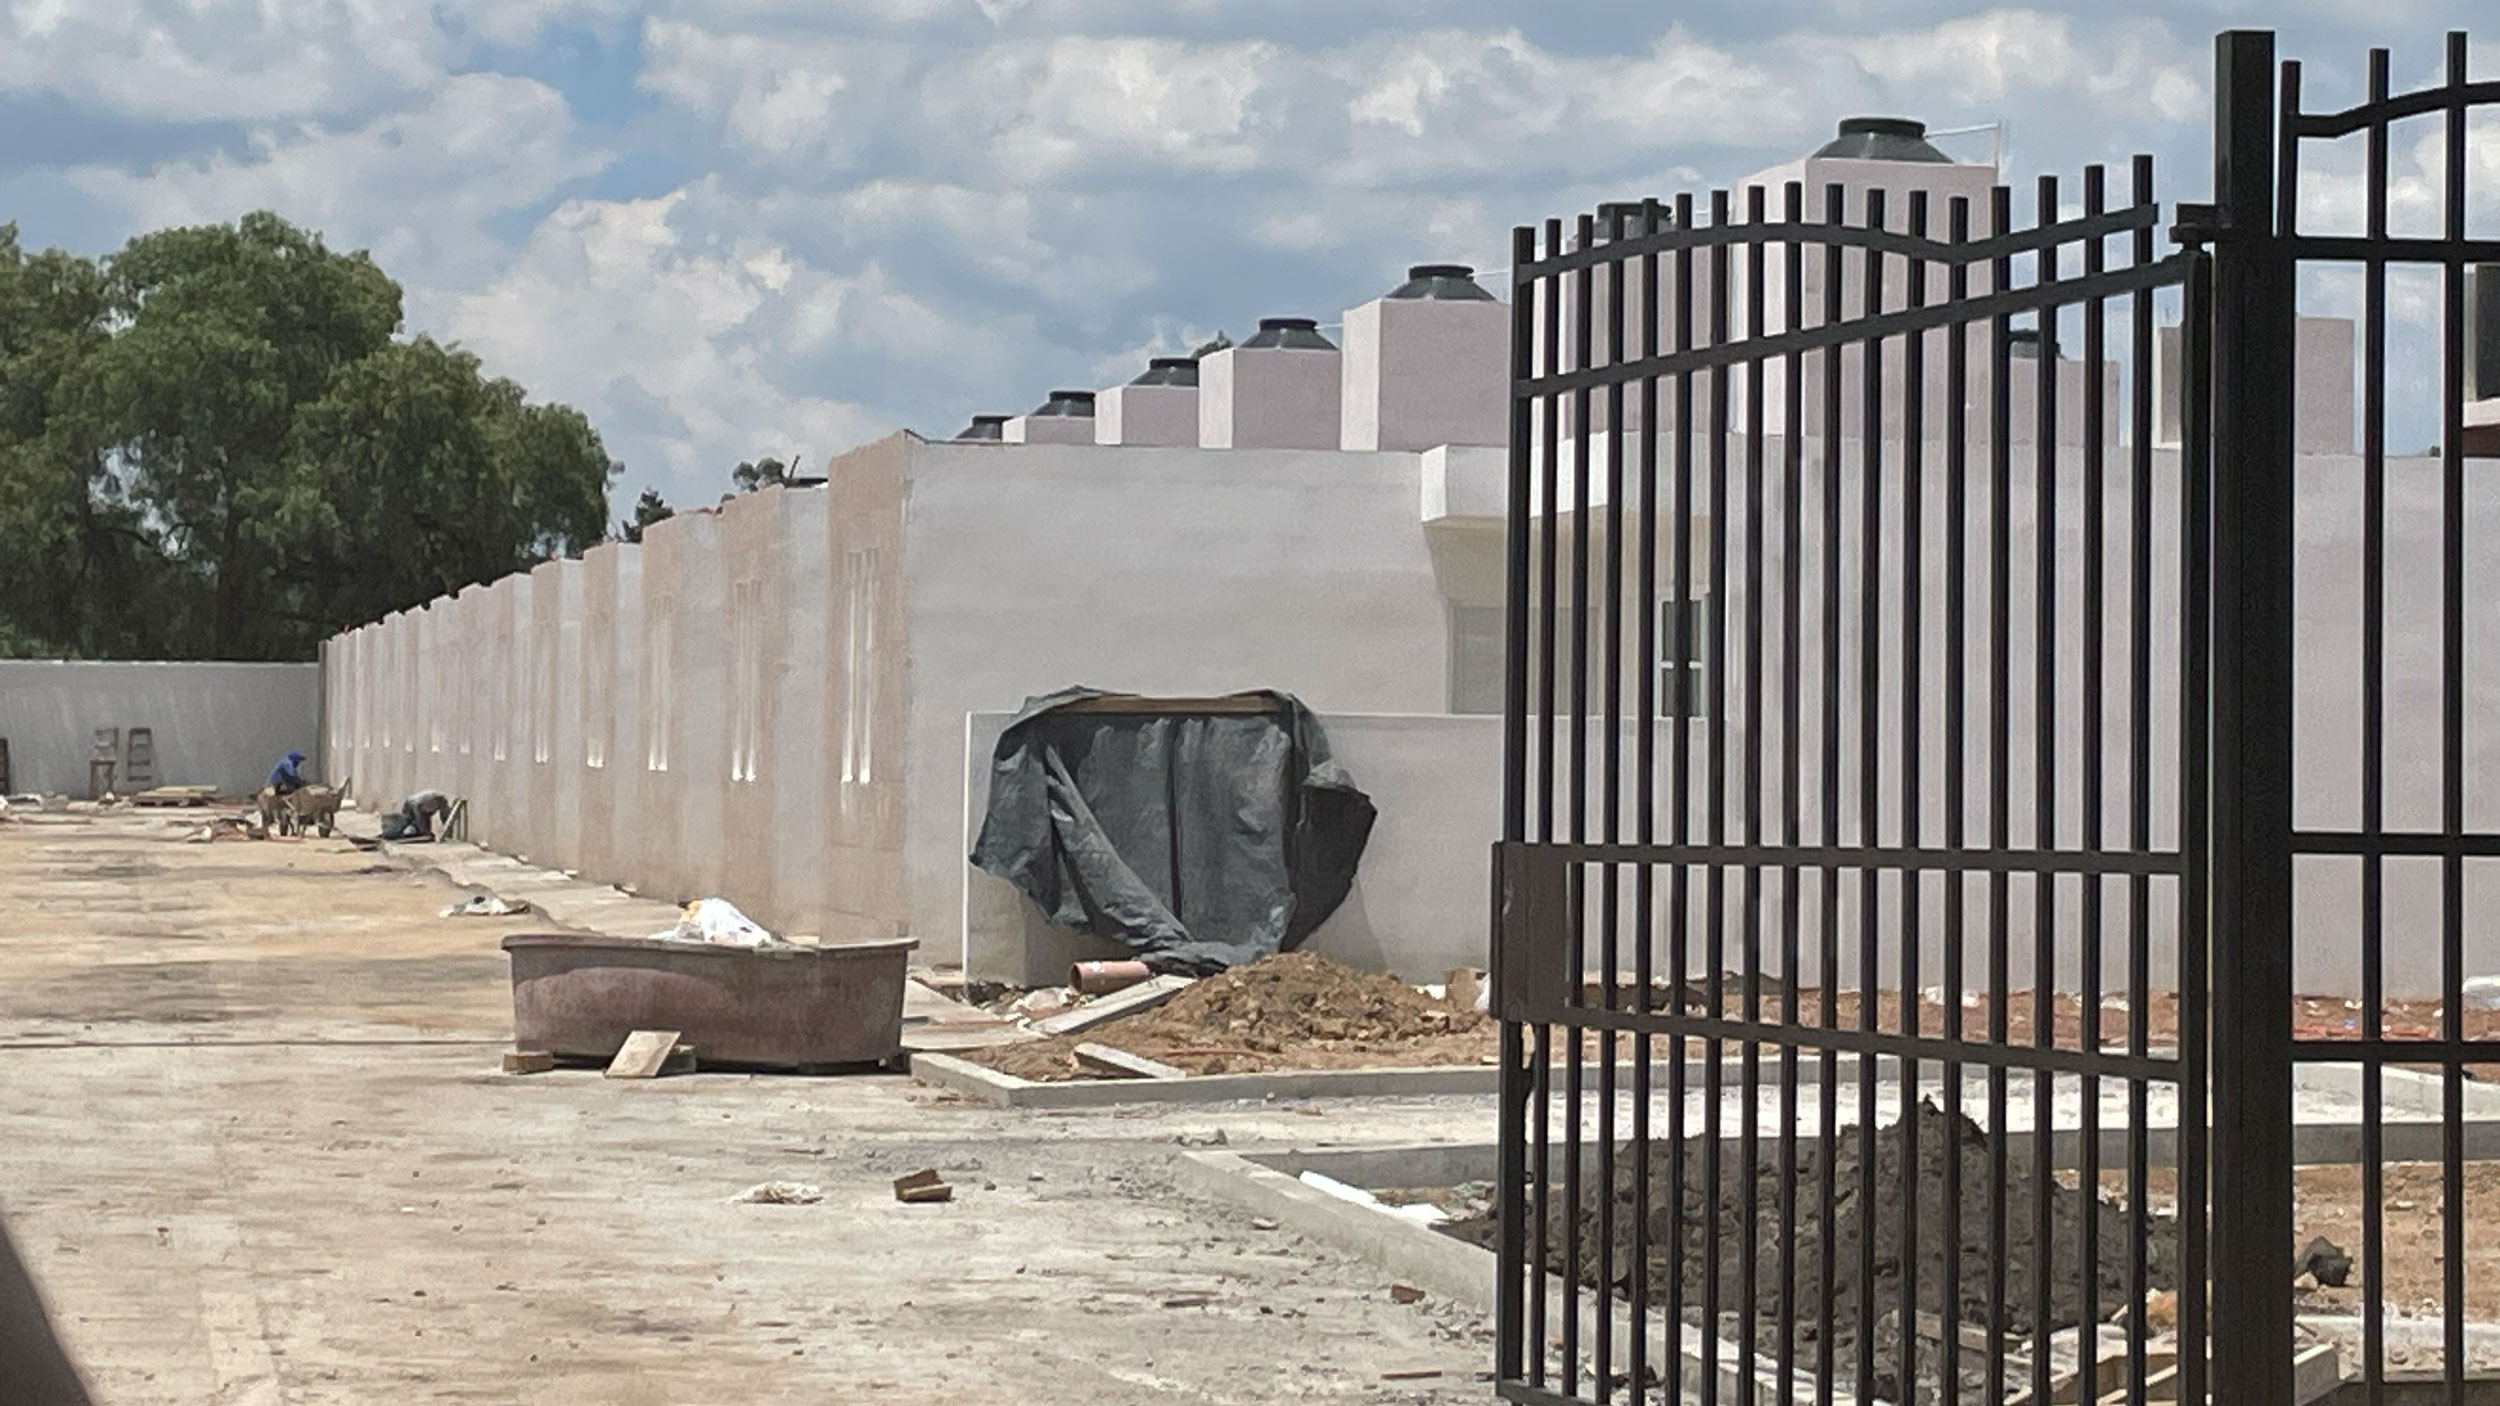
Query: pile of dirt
x=1290, y=1010
x=1689, y=1216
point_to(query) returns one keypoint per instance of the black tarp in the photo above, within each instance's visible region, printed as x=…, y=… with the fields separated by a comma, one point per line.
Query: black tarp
x=1202, y=834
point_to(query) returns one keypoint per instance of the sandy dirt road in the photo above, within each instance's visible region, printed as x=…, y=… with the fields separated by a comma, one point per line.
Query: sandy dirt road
x=256, y=1148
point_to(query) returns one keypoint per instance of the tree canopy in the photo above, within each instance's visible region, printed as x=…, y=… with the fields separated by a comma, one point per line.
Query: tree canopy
x=215, y=444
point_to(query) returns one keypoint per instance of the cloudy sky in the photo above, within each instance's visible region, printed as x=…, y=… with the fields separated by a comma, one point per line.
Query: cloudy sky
x=730, y=228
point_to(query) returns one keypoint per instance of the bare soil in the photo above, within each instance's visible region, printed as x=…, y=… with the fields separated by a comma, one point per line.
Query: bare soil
x=1297, y=1010
x=2328, y=1201
x=1783, y=1218
x=1292, y=1010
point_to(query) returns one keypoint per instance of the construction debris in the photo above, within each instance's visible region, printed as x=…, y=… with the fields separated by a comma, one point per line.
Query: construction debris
x=1103, y=978
x=1120, y=1064
x=779, y=1193
x=1144, y=996
x=175, y=796
x=648, y=1054
x=485, y=905
x=2326, y=1262
x=527, y=1061
x=718, y=921
x=923, y=1187
x=1405, y=1293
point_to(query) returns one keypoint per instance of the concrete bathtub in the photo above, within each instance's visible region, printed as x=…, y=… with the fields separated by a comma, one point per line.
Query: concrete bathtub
x=578, y=995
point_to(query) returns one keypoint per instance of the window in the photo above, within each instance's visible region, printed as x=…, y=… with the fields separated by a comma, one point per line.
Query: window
x=659, y=686
x=542, y=703
x=1683, y=645
x=746, y=681
x=859, y=657
x=1479, y=656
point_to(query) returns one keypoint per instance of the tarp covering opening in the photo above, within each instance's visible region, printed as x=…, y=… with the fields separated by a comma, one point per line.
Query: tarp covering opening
x=1202, y=833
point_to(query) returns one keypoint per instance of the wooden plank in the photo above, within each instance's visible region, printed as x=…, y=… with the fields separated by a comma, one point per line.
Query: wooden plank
x=1103, y=1059
x=527, y=1061
x=922, y=1188
x=644, y=1055
x=1144, y=996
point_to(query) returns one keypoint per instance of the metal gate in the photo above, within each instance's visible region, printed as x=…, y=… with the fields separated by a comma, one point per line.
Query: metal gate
x=1895, y=920
x=2407, y=826
x=1893, y=580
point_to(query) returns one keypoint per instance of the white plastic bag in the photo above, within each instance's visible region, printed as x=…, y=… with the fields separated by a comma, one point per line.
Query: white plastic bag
x=718, y=921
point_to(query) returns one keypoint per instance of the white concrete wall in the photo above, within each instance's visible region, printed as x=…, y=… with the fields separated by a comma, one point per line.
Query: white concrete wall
x=1421, y=372
x=1419, y=902
x=1049, y=429
x=1159, y=571
x=1146, y=415
x=222, y=725
x=1270, y=398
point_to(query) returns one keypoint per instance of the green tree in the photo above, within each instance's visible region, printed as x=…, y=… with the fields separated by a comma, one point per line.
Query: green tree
x=226, y=333
x=415, y=475
x=648, y=509
x=212, y=444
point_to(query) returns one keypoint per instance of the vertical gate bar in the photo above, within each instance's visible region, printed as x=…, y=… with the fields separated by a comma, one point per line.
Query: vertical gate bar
x=2196, y=764
x=2252, y=544
x=2044, y=797
x=1583, y=336
x=1956, y=806
x=1870, y=730
x=1836, y=214
x=1506, y=1309
x=1645, y=813
x=2000, y=789
x=1547, y=603
x=1714, y=914
x=2373, y=752
x=2140, y=794
x=1610, y=806
x=2452, y=735
x=1680, y=822
x=1913, y=557
x=1749, y=1060
x=1792, y=513
x=2088, y=778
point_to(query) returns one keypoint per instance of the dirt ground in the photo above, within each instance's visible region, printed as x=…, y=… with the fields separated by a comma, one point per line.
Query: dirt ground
x=1300, y=1011
x=1292, y=1010
x=2327, y=1201
x=255, y=1147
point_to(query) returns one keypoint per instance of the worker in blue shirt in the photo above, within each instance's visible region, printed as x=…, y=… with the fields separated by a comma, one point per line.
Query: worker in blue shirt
x=287, y=775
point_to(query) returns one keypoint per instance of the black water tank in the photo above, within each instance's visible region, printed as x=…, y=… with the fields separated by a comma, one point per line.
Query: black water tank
x=1293, y=333
x=1881, y=139
x=1075, y=403
x=1169, y=371
x=1447, y=283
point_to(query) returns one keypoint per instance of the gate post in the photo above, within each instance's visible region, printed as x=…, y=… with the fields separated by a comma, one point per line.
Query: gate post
x=2251, y=782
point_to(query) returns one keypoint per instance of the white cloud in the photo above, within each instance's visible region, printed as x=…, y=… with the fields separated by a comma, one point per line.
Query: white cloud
x=621, y=306
x=776, y=95
x=219, y=60
x=2005, y=54
x=1049, y=109
x=415, y=186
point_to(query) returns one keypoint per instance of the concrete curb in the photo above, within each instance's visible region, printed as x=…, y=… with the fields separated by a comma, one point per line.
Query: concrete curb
x=1429, y=1260
x=1457, y=1080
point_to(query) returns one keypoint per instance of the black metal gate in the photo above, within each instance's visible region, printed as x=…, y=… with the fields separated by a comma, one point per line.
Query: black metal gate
x=1895, y=917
